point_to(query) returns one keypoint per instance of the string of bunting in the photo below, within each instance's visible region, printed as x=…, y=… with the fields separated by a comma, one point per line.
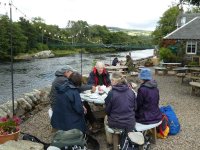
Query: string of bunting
x=7, y=5
x=48, y=34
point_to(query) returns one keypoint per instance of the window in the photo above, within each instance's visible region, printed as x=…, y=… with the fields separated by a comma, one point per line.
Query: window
x=191, y=47
x=183, y=21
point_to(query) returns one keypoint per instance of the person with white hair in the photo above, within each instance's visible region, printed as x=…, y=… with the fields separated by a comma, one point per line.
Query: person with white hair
x=99, y=75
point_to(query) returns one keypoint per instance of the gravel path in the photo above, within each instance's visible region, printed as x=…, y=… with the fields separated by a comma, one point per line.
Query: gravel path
x=172, y=92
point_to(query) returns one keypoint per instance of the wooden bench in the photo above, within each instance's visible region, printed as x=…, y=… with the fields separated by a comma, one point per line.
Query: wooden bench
x=145, y=128
x=163, y=69
x=112, y=136
x=181, y=75
x=192, y=78
x=194, y=86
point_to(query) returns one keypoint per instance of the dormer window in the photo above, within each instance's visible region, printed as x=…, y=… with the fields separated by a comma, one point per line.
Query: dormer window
x=183, y=21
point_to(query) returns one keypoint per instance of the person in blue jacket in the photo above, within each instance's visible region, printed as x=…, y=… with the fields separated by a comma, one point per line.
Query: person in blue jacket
x=68, y=110
x=148, y=111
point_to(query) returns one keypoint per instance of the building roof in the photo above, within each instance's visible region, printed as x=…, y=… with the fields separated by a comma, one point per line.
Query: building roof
x=190, y=30
x=188, y=17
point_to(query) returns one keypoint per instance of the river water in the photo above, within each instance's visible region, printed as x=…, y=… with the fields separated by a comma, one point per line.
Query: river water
x=39, y=73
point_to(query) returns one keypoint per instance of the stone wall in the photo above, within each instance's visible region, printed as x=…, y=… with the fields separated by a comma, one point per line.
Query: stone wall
x=29, y=102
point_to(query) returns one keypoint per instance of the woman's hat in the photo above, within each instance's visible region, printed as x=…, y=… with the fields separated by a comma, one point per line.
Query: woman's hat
x=145, y=74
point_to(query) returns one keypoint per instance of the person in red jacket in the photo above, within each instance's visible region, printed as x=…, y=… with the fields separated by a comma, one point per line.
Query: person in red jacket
x=99, y=75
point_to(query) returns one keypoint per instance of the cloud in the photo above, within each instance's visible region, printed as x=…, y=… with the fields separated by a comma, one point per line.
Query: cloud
x=133, y=14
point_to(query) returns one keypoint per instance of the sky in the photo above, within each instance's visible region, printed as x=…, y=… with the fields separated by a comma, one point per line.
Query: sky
x=127, y=14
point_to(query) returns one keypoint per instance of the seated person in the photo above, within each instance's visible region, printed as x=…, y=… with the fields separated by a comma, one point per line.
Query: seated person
x=99, y=75
x=68, y=110
x=148, y=111
x=115, y=61
x=120, y=104
x=62, y=76
x=129, y=64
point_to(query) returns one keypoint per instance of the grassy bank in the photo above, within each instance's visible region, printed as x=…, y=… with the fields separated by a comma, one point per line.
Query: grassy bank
x=58, y=53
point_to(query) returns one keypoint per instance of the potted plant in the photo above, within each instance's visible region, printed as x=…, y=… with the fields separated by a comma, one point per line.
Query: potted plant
x=9, y=128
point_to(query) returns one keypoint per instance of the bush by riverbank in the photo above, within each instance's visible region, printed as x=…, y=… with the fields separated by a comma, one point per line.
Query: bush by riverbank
x=57, y=53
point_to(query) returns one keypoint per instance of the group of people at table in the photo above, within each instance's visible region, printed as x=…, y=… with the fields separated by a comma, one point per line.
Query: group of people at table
x=123, y=108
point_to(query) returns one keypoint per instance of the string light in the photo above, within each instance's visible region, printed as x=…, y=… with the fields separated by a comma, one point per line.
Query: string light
x=24, y=15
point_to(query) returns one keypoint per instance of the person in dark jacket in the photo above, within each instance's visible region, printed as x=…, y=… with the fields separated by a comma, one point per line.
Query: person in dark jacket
x=62, y=76
x=148, y=111
x=115, y=61
x=120, y=104
x=129, y=64
x=68, y=111
x=99, y=75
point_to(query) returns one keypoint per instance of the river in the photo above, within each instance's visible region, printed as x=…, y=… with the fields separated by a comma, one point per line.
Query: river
x=39, y=73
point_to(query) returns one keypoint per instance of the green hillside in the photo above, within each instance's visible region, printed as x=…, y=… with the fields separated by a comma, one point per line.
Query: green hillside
x=130, y=31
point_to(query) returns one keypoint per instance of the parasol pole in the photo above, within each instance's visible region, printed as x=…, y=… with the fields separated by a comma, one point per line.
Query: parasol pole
x=11, y=53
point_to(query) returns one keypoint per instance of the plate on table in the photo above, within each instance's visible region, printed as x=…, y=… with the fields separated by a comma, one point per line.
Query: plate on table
x=94, y=96
x=87, y=92
x=103, y=96
x=100, y=101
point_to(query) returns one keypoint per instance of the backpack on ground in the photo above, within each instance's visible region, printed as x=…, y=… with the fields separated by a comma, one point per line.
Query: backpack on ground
x=32, y=138
x=131, y=140
x=174, y=125
x=71, y=139
x=163, y=128
x=92, y=143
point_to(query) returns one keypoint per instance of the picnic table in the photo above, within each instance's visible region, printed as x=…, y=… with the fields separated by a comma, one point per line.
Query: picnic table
x=163, y=69
x=197, y=69
x=96, y=97
x=170, y=66
x=194, y=86
x=181, y=69
x=120, y=68
x=96, y=100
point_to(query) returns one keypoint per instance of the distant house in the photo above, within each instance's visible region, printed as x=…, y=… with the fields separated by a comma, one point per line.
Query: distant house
x=186, y=38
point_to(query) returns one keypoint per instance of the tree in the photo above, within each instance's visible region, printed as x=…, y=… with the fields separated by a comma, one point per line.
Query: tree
x=4, y=36
x=193, y=2
x=19, y=40
x=78, y=30
x=29, y=31
x=166, y=24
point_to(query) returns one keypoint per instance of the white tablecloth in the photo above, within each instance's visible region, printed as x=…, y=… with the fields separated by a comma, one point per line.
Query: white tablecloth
x=95, y=97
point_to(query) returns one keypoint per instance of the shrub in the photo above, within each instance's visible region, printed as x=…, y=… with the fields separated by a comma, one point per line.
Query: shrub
x=166, y=55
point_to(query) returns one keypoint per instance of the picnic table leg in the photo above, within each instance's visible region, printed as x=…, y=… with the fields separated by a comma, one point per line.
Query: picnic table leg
x=115, y=141
x=182, y=79
x=164, y=72
x=192, y=90
x=156, y=71
x=154, y=133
